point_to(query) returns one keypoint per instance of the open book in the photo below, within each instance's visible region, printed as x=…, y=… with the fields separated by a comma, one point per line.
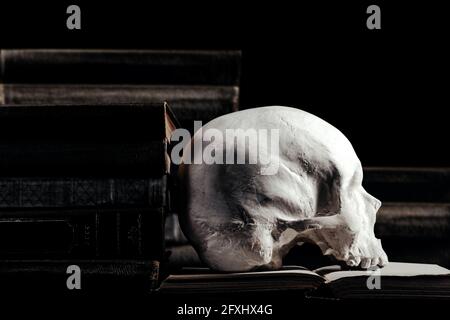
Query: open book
x=402, y=280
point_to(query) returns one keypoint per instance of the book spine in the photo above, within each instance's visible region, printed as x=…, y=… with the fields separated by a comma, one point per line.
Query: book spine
x=46, y=235
x=120, y=66
x=96, y=275
x=3, y=98
x=82, y=234
x=139, y=232
x=113, y=123
x=397, y=184
x=18, y=192
x=188, y=102
x=414, y=221
x=154, y=275
x=80, y=159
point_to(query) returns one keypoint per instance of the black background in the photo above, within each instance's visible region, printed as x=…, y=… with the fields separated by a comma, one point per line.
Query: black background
x=387, y=89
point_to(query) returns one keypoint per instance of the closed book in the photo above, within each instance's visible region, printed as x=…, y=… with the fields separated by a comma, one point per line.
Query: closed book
x=85, y=140
x=411, y=220
x=189, y=103
x=84, y=234
x=23, y=192
x=408, y=184
x=412, y=231
x=118, y=276
x=92, y=122
x=120, y=66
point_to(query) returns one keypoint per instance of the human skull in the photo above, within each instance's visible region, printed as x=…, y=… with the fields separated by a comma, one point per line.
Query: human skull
x=239, y=219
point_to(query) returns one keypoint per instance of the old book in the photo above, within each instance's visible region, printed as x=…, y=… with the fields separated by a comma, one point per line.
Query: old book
x=85, y=140
x=397, y=280
x=57, y=159
x=121, y=276
x=120, y=66
x=113, y=122
x=189, y=103
x=412, y=231
x=20, y=192
x=83, y=234
x=410, y=220
x=406, y=184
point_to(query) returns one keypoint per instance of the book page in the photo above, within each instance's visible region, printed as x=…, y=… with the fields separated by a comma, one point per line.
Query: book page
x=393, y=269
x=240, y=275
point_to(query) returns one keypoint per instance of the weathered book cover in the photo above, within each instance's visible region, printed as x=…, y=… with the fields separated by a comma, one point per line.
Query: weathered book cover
x=118, y=276
x=22, y=192
x=120, y=66
x=408, y=184
x=189, y=103
x=82, y=234
x=85, y=140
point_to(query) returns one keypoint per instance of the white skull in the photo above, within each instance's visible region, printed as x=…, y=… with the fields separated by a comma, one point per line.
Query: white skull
x=239, y=220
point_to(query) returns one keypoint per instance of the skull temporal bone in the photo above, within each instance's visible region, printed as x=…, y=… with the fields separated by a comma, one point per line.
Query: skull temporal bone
x=239, y=220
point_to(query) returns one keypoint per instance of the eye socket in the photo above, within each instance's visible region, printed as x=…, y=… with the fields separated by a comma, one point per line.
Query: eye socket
x=263, y=199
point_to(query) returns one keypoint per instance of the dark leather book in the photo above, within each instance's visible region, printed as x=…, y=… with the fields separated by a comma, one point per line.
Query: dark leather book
x=117, y=276
x=412, y=231
x=120, y=66
x=85, y=140
x=406, y=184
x=189, y=103
x=82, y=234
x=56, y=159
x=20, y=192
x=412, y=220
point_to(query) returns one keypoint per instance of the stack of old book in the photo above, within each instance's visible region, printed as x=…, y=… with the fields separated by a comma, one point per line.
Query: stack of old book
x=85, y=171
x=198, y=85
x=83, y=185
x=414, y=220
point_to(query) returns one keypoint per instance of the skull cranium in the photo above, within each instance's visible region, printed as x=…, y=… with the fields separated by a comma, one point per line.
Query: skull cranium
x=239, y=220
